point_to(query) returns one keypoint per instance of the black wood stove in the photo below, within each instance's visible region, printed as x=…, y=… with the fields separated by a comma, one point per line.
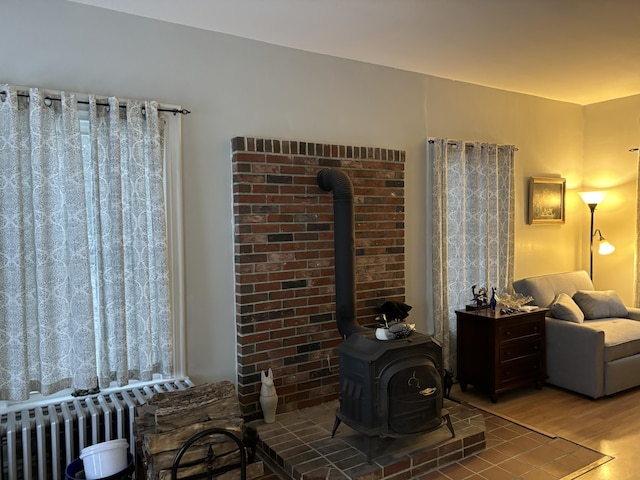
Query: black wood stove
x=388, y=388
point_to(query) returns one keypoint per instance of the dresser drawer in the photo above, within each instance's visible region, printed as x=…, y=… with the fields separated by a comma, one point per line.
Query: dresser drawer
x=523, y=368
x=512, y=331
x=513, y=350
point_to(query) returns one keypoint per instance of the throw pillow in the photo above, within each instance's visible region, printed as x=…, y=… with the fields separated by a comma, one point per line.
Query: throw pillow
x=564, y=308
x=600, y=304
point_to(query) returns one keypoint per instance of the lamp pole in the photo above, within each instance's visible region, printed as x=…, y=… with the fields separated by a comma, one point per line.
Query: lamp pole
x=592, y=199
x=592, y=207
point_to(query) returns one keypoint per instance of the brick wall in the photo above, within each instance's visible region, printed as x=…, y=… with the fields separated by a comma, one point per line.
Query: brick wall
x=284, y=267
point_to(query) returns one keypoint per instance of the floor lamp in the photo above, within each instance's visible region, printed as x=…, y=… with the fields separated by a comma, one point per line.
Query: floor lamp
x=592, y=199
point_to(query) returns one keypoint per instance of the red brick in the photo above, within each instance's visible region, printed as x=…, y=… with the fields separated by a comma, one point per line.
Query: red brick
x=290, y=202
x=249, y=157
x=268, y=346
x=254, y=338
x=269, y=325
x=264, y=188
x=265, y=228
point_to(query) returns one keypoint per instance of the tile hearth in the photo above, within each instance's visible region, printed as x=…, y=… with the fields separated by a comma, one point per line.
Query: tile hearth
x=298, y=445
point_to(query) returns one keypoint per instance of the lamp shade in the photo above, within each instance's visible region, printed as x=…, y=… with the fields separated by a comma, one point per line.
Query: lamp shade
x=591, y=198
x=605, y=247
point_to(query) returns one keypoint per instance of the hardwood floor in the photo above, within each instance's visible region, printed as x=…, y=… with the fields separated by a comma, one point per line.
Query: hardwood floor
x=610, y=425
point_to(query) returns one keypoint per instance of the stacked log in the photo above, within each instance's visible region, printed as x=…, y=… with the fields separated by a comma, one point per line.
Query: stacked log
x=169, y=419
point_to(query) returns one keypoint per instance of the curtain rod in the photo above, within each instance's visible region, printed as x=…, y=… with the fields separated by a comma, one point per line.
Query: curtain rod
x=452, y=142
x=175, y=111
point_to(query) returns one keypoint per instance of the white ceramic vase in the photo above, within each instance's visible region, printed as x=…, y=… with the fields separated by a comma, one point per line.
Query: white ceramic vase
x=268, y=398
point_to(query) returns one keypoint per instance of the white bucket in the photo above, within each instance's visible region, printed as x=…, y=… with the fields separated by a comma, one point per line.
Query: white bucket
x=104, y=459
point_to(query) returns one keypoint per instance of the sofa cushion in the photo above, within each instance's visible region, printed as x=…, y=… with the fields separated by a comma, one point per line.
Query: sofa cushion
x=600, y=304
x=545, y=288
x=564, y=308
x=621, y=337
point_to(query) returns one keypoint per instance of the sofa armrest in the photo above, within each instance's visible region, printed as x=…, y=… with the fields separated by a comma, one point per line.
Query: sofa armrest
x=634, y=313
x=575, y=357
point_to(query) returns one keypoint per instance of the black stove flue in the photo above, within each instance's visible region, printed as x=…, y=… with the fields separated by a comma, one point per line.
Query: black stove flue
x=390, y=388
x=344, y=248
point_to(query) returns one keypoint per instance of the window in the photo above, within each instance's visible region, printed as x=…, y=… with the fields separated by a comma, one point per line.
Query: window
x=90, y=245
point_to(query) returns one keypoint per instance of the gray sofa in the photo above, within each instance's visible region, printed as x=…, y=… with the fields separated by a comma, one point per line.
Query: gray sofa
x=593, y=340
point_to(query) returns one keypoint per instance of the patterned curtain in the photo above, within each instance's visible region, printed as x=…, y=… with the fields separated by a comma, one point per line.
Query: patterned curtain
x=83, y=256
x=472, y=188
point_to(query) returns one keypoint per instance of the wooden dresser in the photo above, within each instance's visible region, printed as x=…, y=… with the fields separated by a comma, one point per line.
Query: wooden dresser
x=499, y=352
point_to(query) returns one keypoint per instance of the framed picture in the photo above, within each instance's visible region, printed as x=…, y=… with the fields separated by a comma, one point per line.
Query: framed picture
x=546, y=200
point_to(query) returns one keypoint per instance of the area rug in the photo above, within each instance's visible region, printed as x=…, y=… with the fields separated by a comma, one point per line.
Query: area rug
x=519, y=451
x=299, y=445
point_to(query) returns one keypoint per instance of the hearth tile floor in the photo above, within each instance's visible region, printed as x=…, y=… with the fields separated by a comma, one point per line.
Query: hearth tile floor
x=299, y=446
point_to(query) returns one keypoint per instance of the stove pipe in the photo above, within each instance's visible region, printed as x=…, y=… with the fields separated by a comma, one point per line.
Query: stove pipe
x=344, y=245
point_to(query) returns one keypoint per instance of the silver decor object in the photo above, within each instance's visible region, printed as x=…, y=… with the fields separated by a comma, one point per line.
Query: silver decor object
x=513, y=299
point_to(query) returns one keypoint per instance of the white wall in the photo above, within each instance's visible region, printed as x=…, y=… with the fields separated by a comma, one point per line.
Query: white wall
x=240, y=87
x=549, y=138
x=612, y=128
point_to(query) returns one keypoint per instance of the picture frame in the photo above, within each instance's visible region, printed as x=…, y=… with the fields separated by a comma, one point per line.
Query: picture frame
x=546, y=200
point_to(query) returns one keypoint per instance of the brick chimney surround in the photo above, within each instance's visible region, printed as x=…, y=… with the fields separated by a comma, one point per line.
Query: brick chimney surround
x=284, y=261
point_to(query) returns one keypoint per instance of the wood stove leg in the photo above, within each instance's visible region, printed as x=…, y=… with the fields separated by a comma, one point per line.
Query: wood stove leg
x=369, y=442
x=336, y=424
x=447, y=419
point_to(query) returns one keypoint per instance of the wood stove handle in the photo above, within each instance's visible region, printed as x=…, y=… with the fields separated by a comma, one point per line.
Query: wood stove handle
x=427, y=392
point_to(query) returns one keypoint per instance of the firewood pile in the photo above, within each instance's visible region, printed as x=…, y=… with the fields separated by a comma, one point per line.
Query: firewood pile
x=169, y=419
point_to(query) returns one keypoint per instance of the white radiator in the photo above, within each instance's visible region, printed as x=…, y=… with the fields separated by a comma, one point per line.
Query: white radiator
x=39, y=443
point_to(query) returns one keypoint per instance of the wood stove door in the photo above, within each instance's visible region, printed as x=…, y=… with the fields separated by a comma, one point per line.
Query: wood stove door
x=413, y=396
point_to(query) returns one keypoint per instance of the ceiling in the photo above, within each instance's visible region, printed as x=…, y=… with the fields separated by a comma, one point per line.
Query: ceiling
x=578, y=51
